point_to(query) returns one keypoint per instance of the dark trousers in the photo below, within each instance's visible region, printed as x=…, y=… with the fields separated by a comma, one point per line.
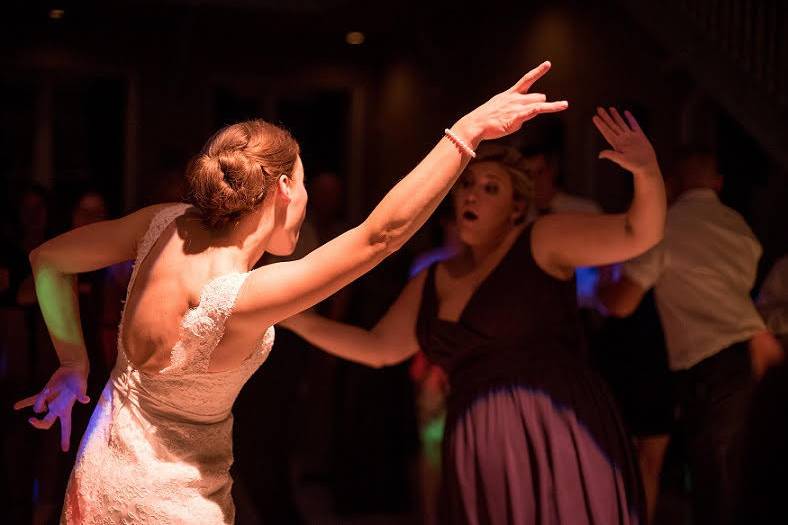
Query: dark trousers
x=713, y=401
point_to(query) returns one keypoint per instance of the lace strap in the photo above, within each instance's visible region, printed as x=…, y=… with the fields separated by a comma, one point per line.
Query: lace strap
x=158, y=224
x=202, y=328
x=220, y=294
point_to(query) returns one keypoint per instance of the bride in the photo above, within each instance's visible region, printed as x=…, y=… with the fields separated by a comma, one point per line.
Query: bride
x=158, y=447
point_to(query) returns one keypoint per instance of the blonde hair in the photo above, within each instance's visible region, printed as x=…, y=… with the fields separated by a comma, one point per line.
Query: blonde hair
x=511, y=160
x=236, y=169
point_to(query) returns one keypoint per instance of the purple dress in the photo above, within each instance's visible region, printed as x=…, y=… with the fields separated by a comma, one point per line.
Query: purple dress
x=532, y=435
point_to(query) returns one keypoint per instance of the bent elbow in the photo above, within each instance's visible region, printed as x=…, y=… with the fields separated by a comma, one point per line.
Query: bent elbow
x=388, y=240
x=393, y=357
x=619, y=311
x=657, y=237
x=44, y=258
x=375, y=360
x=657, y=234
x=613, y=304
x=378, y=364
x=37, y=256
x=643, y=243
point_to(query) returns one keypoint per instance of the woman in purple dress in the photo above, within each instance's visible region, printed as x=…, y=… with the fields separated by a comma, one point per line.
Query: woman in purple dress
x=532, y=435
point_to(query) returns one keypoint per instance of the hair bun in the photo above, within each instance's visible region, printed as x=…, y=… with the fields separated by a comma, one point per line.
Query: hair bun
x=238, y=170
x=232, y=175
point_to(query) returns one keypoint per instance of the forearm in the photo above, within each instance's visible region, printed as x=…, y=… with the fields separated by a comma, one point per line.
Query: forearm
x=644, y=222
x=608, y=301
x=59, y=303
x=615, y=301
x=340, y=339
x=408, y=205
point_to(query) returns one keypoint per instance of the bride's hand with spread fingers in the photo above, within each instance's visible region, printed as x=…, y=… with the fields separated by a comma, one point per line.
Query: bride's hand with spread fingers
x=506, y=112
x=66, y=386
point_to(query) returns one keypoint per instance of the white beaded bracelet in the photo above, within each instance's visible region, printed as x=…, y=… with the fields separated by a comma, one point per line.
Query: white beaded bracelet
x=459, y=143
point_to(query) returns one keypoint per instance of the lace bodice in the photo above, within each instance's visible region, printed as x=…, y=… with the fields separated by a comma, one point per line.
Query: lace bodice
x=159, y=445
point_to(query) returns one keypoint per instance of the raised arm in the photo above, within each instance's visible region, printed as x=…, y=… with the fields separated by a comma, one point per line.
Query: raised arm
x=278, y=291
x=55, y=265
x=563, y=241
x=390, y=341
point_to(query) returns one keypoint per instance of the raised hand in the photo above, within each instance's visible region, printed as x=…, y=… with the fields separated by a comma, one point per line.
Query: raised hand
x=67, y=385
x=506, y=112
x=631, y=148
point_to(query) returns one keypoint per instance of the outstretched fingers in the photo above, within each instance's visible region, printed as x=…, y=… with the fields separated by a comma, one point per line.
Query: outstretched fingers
x=45, y=423
x=551, y=107
x=531, y=98
x=65, y=433
x=618, y=120
x=26, y=402
x=532, y=110
x=604, y=129
x=633, y=123
x=525, y=83
x=608, y=120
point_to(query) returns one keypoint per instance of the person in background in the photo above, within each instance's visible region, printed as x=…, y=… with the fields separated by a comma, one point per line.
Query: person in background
x=543, y=165
x=717, y=343
x=762, y=500
x=24, y=355
x=429, y=379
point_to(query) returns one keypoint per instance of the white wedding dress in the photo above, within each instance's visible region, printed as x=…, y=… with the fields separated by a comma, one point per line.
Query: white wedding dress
x=158, y=448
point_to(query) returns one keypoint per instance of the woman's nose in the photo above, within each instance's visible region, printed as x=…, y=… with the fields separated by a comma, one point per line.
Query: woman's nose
x=470, y=194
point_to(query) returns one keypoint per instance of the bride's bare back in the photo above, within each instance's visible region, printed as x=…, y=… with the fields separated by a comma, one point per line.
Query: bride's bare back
x=168, y=284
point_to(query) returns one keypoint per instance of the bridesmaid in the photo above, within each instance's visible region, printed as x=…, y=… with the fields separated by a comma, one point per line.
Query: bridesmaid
x=532, y=434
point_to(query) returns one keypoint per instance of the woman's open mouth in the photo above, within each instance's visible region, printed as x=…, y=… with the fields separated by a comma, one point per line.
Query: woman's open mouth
x=469, y=215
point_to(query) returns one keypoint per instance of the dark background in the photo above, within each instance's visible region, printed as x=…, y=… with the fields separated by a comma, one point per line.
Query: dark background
x=118, y=95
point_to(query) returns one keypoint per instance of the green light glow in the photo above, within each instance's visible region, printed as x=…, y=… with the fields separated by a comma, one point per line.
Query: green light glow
x=432, y=438
x=57, y=298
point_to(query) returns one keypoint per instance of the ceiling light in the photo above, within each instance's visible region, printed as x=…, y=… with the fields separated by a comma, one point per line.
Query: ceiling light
x=354, y=38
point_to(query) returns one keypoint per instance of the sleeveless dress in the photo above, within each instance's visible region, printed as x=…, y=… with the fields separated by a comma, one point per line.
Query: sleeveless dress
x=158, y=447
x=532, y=434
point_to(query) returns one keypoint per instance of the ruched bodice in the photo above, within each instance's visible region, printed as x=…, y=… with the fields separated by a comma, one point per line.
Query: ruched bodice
x=158, y=448
x=518, y=322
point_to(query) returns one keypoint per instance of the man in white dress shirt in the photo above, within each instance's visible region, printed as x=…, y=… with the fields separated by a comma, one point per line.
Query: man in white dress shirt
x=702, y=273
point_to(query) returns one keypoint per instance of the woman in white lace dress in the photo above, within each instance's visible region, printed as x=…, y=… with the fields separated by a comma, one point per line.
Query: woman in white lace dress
x=158, y=448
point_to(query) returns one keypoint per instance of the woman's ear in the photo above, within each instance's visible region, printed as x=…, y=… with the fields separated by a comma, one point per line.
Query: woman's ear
x=285, y=190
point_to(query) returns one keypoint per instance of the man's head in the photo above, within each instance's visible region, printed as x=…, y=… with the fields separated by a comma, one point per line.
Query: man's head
x=696, y=168
x=541, y=164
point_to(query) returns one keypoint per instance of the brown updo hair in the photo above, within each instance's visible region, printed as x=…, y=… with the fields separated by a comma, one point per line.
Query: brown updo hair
x=236, y=169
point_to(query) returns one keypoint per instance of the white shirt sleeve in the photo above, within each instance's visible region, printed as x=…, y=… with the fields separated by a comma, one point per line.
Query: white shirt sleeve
x=645, y=269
